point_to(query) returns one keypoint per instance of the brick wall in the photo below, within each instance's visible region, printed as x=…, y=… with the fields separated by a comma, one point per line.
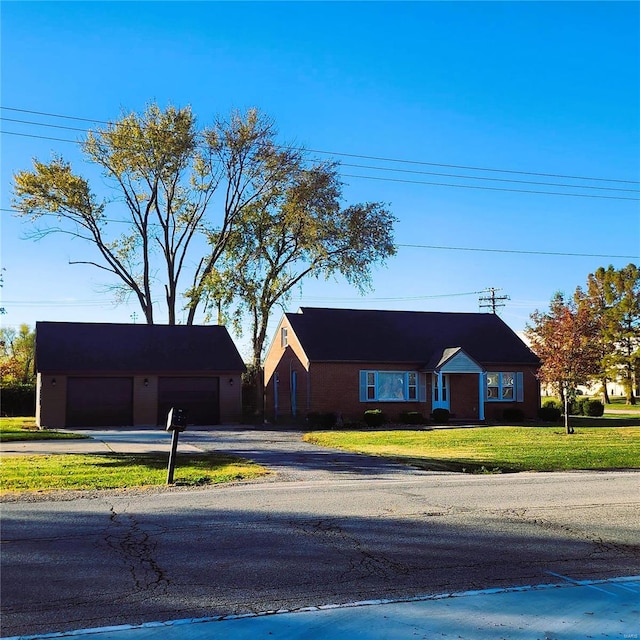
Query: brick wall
x=335, y=387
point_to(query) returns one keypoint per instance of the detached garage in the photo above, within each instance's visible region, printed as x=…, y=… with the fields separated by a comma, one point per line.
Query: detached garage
x=106, y=375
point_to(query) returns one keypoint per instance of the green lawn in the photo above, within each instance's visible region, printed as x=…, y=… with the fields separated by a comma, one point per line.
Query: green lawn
x=12, y=429
x=67, y=471
x=496, y=449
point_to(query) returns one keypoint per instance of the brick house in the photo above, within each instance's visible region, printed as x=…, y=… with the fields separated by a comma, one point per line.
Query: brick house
x=93, y=374
x=346, y=361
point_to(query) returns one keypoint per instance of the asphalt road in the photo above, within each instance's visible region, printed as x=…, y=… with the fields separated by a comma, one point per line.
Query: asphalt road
x=330, y=528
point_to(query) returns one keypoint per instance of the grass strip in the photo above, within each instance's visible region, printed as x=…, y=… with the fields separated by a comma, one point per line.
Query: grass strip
x=495, y=449
x=20, y=429
x=114, y=471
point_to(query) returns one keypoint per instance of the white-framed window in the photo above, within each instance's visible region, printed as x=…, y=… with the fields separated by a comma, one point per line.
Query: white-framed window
x=389, y=386
x=412, y=385
x=284, y=338
x=504, y=386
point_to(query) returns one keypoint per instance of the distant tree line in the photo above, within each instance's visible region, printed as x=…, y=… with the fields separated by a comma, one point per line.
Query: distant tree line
x=17, y=372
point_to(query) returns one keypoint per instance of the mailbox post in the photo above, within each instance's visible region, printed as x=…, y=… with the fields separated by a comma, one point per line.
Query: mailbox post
x=176, y=422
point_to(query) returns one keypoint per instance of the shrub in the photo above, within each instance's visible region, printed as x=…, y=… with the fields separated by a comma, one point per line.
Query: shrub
x=411, y=417
x=441, y=416
x=374, y=418
x=550, y=404
x=513, y=414
x=593, y=408
x=19, y=400
x=576, y=406
x=320, y=420
x=549, y=414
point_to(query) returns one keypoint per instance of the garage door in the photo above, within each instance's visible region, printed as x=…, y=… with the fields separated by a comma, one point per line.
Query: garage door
x=198, y=396
x=99, y=402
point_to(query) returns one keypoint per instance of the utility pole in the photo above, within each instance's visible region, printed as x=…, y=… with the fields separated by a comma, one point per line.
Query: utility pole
x=492, y=301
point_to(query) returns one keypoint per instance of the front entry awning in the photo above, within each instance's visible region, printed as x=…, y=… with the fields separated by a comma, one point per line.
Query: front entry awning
x=455, y=360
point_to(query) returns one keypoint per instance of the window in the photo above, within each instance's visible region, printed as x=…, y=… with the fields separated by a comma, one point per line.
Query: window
x=371, y=385
x=388, y=386
x=504, y=386
x=283, y=337
x=412, y=385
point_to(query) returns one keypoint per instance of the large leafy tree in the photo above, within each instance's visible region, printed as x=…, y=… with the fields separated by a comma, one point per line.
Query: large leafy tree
x=565, y=339
x=612, y=297
x=297, y=229
x=164, y=181
x=165, y=173
x=255, y=168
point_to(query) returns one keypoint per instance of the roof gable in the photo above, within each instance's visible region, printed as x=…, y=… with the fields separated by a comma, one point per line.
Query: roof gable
x=350, y=335
x=95, y=347
x=455, y=360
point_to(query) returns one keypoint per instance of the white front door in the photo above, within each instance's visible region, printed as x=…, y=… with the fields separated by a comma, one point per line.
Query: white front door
x=440, y=391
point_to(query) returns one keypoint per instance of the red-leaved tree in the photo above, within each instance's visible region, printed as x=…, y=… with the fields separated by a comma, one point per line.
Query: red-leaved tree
x=564, y=338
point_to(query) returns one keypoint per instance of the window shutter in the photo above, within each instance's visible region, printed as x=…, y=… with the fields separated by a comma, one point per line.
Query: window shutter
x=422, y=391
x=363, y=386
x=519, y=386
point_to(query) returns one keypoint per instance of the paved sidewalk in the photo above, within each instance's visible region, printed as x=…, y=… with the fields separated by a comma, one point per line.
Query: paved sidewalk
x=566, y=610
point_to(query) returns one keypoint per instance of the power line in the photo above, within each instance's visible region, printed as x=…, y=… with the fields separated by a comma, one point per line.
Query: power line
x=512, y=180
x=44, y=124
x=436, y=247
x=393, y=299
x=423, y=182
x=519, y=251
x=472, y=168
x=30, y=135
x=485, y=188
x=368, y=157
x=54, y=115
x=364, y=166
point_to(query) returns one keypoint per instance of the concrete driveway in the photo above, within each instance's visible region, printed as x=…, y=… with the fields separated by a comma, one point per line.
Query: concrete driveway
x=283, y=451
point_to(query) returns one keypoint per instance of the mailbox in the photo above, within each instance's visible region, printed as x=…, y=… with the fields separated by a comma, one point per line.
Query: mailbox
x=177, y=420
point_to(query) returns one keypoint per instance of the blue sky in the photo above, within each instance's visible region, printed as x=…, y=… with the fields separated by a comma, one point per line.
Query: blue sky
x=539, y=88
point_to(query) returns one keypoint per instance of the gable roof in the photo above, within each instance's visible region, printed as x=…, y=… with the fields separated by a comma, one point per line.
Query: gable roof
x=76, y=347
x=423, y=338
x=455, y=359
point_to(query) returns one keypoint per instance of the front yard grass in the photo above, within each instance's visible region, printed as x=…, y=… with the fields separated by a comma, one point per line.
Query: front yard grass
x=14, y=429
x=67, y=471
x=495, y=449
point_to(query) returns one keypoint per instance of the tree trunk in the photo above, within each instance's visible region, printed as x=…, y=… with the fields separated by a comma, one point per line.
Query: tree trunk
x=605, y=392
x=260, y=319
x=628, y=388
x=567, y=427
x=259, y=387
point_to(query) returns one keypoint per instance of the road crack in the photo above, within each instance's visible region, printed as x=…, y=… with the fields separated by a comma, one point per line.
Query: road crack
x=137, y=549
x=362, y=563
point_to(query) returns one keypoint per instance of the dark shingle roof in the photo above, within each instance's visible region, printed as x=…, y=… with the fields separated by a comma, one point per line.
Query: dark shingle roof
x=77, y=347
x=349, y=335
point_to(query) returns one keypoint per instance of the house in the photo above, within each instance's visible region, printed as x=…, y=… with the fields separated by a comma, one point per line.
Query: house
x=346, y=361
x=91, y=374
